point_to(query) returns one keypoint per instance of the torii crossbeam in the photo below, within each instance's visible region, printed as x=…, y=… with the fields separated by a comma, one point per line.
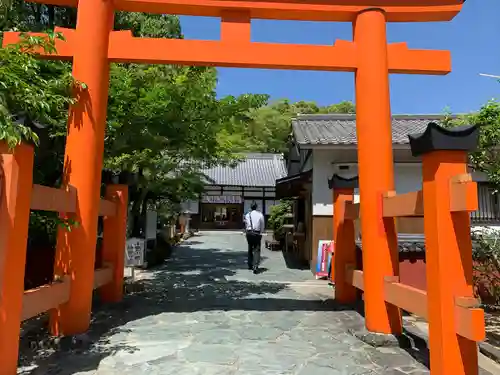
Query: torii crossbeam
x=94, y=44
x=342, y=56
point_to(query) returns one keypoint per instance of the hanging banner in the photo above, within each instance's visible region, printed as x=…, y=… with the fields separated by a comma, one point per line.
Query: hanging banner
x=221, y=199
x=323, y=262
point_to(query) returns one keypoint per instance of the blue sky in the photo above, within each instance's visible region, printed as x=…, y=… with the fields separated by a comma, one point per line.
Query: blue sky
x=473, y=38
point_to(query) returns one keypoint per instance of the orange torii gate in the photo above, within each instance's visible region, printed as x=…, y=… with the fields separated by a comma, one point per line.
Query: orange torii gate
x=94, y=44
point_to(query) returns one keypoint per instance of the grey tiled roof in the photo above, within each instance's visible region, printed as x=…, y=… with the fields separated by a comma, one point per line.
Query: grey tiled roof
x=257, y=170
x=340, y=129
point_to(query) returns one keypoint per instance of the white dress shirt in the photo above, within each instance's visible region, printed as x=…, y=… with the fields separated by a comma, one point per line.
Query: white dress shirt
x=254, y=220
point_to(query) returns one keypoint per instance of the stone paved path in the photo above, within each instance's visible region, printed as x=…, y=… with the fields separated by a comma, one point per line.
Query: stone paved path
x=205, y=313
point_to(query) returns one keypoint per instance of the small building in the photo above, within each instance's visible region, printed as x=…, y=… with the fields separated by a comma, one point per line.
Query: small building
x=231, y=190
x=324, y=145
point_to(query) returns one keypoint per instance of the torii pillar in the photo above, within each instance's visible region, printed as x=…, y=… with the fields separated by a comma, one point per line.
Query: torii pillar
x=375, y=166
x=83, y=162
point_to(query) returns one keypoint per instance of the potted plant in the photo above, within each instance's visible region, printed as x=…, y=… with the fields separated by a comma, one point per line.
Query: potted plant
x=279, y=214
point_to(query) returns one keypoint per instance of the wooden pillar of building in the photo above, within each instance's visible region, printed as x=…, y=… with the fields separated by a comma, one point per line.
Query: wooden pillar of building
x=449, y=196
x=343, y=237
x=376, y=171
x=16, y=182
x=83, y=163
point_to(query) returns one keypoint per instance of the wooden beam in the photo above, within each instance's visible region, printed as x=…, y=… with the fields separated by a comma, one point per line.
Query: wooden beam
x=352, y=211
x=354, y=277
x=463, y=197
x=401, y=58
x=103, y=276
x=107, y=208
x=64, y=47
x=235, y=26
x=403, y=205
x=342, y=56
x=469, y=318
x=44, y=198
x=332, y=11
x=463, y=194
x=42, y=299
x=469, y=323
x=405, y=297
x=339, y=57
x=236, y=50
x=308, y=10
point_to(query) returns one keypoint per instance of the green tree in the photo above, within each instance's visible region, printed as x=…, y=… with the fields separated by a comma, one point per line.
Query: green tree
x=342, y=107
x=33, y=93
x=162, y=120
x=266, y=127
x=487, y=158
x=278, y=217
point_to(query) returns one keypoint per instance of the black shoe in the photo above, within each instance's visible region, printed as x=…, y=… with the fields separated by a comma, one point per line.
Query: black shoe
x=255, y=271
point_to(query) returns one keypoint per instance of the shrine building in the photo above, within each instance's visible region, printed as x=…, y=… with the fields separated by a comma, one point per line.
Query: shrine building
x=231, y=190
x=324, y=145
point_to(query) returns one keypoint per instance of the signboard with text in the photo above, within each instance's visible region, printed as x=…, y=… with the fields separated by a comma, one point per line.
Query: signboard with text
x=134, y=252
x=151, y=224
x=221, y=199
x=323, y=261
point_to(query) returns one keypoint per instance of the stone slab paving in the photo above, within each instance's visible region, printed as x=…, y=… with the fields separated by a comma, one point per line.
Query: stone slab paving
x=205, y=313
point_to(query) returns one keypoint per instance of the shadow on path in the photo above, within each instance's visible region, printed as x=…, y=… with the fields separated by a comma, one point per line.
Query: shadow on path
x=293, y=262
x=193, y=280
x=189, y=316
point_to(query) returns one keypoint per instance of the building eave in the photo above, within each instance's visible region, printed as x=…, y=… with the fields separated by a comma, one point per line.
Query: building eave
x=352, y=146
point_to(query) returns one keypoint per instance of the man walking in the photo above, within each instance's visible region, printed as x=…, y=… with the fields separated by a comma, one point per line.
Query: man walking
x=254, y=226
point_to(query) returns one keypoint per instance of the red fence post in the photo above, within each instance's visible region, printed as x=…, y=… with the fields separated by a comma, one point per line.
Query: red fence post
x=448, y=243
x=114, y=240
x=343, y=237
x=16, y=183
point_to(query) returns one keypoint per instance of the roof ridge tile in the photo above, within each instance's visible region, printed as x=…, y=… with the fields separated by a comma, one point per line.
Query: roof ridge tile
x=338, y=129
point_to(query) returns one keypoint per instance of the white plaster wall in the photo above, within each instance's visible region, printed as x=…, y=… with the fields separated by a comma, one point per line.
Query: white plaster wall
x=322, y=171
x=408, y=177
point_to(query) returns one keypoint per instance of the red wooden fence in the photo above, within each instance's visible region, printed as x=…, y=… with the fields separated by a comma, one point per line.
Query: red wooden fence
x=18, y=196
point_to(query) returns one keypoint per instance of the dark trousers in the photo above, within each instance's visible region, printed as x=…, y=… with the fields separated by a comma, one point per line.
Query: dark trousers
x=254, y=241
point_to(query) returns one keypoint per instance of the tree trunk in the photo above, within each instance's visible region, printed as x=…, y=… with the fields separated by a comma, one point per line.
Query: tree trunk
x=138, y=212
x=52, y=16
x=37, y=9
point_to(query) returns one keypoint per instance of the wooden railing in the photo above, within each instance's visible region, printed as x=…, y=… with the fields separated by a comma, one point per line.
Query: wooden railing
x=456, y=321
x=18, y=196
